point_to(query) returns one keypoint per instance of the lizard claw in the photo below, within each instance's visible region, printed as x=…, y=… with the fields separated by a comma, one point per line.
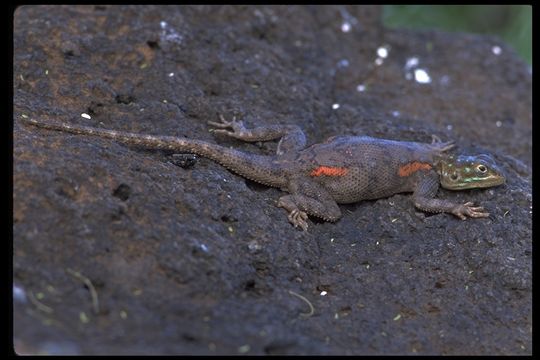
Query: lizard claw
x=469, y=210
x=298, y=218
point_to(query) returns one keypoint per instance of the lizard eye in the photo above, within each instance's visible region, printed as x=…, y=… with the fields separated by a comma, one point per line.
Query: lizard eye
x=454, y=177
x=482, y=168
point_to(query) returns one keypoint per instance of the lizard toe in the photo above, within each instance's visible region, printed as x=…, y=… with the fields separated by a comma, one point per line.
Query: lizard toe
x=435, y=139
x=467, y=209
x=443, y=146
x=298, y=219
x=223, y=124
x=218, y=125
x=221, y=131
x=477, y=213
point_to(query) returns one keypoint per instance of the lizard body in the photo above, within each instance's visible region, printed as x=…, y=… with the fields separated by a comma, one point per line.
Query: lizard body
x=343, y=169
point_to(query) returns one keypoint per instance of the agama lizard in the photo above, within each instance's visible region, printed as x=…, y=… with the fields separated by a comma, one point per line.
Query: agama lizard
x=341, y=170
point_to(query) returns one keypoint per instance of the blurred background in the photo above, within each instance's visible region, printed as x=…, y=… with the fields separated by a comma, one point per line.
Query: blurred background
x=512, y=23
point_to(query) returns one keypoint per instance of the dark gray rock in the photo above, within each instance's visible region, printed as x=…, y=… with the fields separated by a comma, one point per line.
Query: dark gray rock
x=196, y=260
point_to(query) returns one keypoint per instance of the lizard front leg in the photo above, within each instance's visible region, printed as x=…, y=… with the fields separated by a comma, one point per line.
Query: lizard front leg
x=292, y=137
x=424, y=200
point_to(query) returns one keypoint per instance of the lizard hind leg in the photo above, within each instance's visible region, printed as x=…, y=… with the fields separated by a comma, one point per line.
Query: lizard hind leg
x=291, y=136
x=309, y=199
x=296, y=216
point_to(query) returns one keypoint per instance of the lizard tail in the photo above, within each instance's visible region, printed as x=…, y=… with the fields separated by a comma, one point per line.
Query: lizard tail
x=255, y=167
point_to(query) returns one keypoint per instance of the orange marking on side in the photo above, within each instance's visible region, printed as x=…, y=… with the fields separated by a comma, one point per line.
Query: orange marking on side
x=329, y=171
x=411, y=168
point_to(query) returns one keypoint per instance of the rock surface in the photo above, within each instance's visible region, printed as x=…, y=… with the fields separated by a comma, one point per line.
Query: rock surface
x=119, y=250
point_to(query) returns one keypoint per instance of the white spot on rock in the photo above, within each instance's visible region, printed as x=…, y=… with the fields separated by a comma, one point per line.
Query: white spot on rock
x=361, y=88
x=421, y=76
x=496, y=50
x=243, y=349
x=411, y=62
x=19, y=294
x=445, y=79
x=169, y=34
x=343, y=63
x=346, y=27
x=86, y=116
x=254, y=246
x=335, y=106
x=382, y=52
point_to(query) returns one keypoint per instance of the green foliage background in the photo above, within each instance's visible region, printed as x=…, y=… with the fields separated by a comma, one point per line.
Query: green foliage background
x=512, y=23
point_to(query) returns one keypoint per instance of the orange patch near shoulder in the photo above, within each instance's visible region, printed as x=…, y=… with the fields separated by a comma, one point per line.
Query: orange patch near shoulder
x=329, y=171
x=411, y=168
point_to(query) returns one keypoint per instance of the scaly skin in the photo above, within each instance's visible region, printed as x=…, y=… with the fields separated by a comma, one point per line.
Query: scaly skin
x=344, y=169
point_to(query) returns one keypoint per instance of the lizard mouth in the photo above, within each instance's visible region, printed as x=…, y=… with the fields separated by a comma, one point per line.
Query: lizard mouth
x=478, y=183
x=494, y=180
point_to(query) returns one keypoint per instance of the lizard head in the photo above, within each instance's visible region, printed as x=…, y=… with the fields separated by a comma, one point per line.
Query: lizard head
x=469, y=172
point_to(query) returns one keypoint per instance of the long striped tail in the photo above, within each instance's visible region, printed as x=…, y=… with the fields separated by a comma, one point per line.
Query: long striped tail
x=262, y=169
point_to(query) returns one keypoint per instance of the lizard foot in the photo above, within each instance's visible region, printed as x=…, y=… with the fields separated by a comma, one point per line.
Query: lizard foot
x=232, y=128
x=468, y=209
x=440, y=145
x=298, y=218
